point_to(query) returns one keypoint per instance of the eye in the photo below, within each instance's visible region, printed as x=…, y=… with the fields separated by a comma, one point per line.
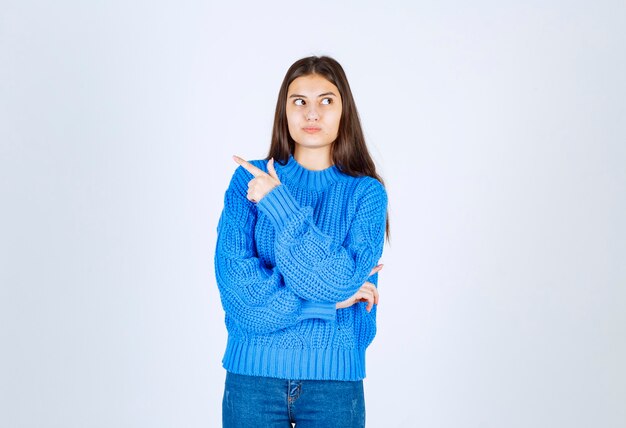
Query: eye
x=299, y=102
x=327, y=101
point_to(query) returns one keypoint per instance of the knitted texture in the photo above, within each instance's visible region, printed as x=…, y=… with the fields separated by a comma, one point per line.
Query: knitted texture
x=283, y=264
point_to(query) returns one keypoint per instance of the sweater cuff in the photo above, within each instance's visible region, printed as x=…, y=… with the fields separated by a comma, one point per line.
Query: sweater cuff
x=325, y=311
x=278, y=204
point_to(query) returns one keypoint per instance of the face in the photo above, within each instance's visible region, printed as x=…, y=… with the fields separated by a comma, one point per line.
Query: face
x=313, y=111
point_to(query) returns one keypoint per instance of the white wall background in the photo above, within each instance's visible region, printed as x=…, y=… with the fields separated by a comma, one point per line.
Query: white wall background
x=499, y=127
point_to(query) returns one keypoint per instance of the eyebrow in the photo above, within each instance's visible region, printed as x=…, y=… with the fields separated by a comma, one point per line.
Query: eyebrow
x=320, y=95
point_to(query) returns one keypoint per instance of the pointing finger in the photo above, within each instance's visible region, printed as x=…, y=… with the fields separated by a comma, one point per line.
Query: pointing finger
x=256, y=172
x=376, y=269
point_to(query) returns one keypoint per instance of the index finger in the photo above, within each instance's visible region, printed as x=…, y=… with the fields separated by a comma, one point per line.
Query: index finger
x=376, y=269
x=256, y=172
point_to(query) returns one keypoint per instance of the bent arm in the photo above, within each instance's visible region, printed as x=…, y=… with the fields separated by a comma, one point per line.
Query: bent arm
x=253, y=295
x=313, y=266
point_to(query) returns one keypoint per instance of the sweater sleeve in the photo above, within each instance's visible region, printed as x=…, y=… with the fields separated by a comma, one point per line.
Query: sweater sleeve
x=313, y=266
x=252, y=294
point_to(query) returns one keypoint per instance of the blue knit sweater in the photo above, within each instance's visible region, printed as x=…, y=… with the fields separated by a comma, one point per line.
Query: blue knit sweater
x=282, y=264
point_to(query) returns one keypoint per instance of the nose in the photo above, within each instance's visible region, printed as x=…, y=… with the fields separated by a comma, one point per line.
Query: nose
x=312, y=114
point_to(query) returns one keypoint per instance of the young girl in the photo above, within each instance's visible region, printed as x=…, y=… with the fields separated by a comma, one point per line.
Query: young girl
x=296, y=261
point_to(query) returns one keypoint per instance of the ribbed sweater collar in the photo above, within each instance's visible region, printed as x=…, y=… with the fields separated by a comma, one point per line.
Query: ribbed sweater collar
x=298, y=175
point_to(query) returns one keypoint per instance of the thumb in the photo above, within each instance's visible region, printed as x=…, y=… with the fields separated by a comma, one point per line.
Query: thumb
x=271, y=170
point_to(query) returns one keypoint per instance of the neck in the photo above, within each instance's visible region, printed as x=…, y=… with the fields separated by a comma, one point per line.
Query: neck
x=315, y=180
x=314, y=159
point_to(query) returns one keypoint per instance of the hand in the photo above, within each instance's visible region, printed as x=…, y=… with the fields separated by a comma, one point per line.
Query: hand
x=262, y=183
x=367, y=293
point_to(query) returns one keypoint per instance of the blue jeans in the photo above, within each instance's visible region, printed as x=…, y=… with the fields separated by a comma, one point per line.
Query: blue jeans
x=264, y=402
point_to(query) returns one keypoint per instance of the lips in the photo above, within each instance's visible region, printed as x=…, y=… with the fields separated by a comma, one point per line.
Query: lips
x=311, y=129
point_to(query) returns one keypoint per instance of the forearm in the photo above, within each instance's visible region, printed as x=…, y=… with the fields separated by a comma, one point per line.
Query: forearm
x=314, y=265
x=254, y=296
x=274, y=308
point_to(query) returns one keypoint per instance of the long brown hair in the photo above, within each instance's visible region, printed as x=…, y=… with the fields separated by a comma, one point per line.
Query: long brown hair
x=349, y=151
